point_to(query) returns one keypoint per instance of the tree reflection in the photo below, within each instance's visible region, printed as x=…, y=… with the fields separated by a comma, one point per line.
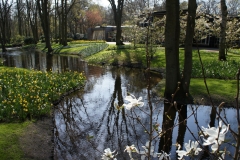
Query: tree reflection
x=182, y=124
x=168, y=124
x=169, y=115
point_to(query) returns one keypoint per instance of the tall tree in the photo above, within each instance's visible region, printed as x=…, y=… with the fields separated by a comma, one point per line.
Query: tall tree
x=64, y=13
x=5, y=8
x=43, y=9
x=187, y=71
x=32, y=18
x=20, y=7
x=172, y=32
x=117, y=14
x=222, y=44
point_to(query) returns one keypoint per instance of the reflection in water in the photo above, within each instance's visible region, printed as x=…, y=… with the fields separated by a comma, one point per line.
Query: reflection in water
x=42, y=61
x=182, y=124
x=165, y=143
x=93, y=112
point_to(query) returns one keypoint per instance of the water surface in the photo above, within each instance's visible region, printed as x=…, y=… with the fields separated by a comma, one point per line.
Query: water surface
x=87, y=121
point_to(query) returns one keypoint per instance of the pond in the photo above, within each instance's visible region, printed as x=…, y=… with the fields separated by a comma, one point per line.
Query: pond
x=88, y=121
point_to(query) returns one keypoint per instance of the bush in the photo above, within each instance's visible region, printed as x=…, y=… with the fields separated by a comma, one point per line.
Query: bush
x=17, y=39
x=29, y=40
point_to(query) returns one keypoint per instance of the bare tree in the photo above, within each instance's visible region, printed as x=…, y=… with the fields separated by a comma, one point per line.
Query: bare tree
x=5, y=8
x=43, y=9
x=117, y=13
x=172, y=31
x=187, y=71
x=32, y=18
x=20, y=8
x=222, y=44
x=233, y=7
x=210, y=7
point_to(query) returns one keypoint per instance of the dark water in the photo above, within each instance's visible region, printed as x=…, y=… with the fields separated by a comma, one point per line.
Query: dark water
x=87, y=122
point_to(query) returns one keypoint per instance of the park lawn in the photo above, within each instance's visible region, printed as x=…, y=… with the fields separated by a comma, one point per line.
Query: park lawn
x=220, y=90
x=9, y=140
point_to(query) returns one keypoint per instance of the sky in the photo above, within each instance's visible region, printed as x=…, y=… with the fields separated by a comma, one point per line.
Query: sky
x=104, y=3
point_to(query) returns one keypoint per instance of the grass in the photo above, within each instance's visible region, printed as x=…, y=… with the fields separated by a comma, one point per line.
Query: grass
x=9, y=140
x=72, y=48
x=220, y=90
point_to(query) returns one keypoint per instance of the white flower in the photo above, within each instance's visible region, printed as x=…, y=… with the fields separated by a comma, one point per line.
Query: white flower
x=108, y=154
x=133, y=102
x=215, y=135
x=131, y=149
x=191, y=149
x=145, y=152
x=163, y=156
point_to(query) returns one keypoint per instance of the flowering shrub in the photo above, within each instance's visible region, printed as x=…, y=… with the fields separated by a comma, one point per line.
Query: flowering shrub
x=213, y=136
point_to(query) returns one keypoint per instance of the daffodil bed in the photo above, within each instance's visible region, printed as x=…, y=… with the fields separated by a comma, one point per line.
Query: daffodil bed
x=28, y=93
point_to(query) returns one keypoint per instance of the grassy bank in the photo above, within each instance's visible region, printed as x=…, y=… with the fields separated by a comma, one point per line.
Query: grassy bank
x=220, y=91
x=73, y=47
x=221, y=75
x=9, y=140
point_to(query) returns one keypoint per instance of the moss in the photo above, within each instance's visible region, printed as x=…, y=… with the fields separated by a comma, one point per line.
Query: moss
x=9, y=140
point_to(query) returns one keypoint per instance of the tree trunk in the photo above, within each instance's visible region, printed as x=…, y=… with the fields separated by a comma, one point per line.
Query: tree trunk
x=119, y=35
x=19, y=10
x=45, y=22
x=32, y=17
x=172, y=31
x=222, y=44
x=192, y=6
x=5, y=8
x=117, y=13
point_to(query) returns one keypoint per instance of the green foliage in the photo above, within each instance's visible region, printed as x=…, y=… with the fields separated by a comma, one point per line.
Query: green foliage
x=17, y=39
x=29, y=40
x=27, y=94
x=92, y=49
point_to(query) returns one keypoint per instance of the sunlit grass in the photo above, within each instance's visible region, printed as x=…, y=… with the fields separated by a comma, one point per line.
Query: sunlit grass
x=220, y=90
x=213, y=68
x=26, y=93
x=73, y=47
